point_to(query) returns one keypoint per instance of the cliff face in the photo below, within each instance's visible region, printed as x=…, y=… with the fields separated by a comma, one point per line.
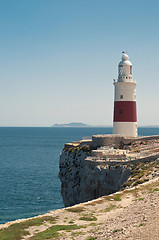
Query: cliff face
x=83, y=179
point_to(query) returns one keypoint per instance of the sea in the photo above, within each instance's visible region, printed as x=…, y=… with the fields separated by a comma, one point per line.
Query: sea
x=29, y=166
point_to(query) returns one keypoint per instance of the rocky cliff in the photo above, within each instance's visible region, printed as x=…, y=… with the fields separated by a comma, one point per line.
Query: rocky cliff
x=95, y=167
x=83, y=179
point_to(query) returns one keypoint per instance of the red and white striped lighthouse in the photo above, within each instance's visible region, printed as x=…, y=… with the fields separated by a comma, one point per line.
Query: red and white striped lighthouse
x=125, y=117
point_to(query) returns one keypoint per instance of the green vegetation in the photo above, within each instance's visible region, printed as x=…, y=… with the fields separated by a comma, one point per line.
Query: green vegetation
x=71, y=222
x=140, y=199
x=117, y=198
x=141, y=224
x=72, y=149
x=116, y=230
x=85, y=148
x=16, y=231
x=91, y=238
x=53, y=232
x=94, y=224
x=88, y=218
x=111, y=206
x=153, y=190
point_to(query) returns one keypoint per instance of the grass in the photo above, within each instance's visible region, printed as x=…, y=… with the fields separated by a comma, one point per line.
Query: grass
x=117, y=198
x=53, y=232
x=94, y=224
x=16, y=231
x=108, y=209
x=111, y=206
x=91, y=238
x=75, y=209
x=107, y=197
x=88, y=218
x=71, y=222
x=140, y=199
x=141, y=224
x=153, y=190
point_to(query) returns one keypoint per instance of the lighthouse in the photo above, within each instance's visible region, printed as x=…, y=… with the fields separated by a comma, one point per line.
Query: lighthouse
x=125, y=117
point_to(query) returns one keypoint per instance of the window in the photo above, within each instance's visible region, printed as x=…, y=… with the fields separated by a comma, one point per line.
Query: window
x=130, y=70
x=121, y=97
x=120, y=70
x=121, y=111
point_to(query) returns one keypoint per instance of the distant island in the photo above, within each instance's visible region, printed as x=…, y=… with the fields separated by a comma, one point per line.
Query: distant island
x=73, y=124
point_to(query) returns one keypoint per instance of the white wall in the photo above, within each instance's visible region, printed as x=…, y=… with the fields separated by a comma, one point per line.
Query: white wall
x=127, y=89
x=125, y=128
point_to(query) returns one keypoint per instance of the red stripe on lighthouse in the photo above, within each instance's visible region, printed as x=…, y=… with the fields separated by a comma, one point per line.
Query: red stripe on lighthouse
x=125, y=111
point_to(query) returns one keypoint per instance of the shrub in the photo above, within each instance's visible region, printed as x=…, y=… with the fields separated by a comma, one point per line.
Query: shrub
x=88, y=218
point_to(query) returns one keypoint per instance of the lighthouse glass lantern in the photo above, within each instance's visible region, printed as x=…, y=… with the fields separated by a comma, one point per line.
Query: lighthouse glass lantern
x=125, y=117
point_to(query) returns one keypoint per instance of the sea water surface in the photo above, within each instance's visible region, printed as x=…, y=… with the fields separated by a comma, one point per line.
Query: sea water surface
x=29, y=166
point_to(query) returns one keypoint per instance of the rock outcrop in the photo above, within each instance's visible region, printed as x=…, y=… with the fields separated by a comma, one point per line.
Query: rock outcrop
x=102, y=165
x=83, y=180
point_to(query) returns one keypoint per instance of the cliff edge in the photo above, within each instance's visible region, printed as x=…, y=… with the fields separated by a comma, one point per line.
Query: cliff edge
x=105, y=164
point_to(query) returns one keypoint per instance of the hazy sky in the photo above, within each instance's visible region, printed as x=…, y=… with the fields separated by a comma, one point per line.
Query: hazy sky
x=58, y=59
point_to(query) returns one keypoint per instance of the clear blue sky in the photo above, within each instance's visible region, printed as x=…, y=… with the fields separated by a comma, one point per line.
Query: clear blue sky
x=58, y=59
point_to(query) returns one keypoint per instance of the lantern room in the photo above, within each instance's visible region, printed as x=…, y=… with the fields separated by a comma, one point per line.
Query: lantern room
x=125, y=69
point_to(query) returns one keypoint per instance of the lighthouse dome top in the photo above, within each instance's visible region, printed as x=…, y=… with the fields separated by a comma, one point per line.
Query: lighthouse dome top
x=125, y=57
x=125, y=60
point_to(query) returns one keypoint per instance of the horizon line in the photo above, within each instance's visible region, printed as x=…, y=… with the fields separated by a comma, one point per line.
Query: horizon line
x=89, y=126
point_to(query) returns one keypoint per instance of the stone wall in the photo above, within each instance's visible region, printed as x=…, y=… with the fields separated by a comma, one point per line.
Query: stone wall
x=109, y=140
x=112, y=140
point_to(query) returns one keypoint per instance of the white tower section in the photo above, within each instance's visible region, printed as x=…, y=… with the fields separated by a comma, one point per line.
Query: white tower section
x=125, y=118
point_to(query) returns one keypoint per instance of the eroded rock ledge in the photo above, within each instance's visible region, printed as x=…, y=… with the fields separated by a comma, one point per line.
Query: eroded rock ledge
x=104, y=164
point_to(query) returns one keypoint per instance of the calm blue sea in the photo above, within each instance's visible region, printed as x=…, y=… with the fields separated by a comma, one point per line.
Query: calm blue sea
x=29, y=159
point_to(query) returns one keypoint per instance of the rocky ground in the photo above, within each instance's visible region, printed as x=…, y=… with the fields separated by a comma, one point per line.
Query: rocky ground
x=138, y=219
x=129, y=214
